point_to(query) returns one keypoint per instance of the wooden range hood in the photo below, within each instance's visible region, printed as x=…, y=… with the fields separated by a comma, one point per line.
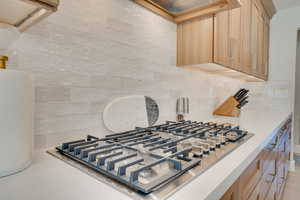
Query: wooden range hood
x=182, y=10
x=24, y=13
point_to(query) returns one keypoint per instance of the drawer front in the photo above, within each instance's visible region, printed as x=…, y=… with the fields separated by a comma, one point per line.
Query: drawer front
x=269, y=161
x=232, y=193
x=267, y=181
x=251, y=177
x=272, y=193
x=281, y=178
x=256, y=194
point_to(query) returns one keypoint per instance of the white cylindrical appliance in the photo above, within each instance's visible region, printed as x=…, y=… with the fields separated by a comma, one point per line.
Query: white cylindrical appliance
x=16, y=121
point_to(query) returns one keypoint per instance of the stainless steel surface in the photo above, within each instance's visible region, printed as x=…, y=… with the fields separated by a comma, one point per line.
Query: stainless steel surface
x=182, y=106
x=200, y=146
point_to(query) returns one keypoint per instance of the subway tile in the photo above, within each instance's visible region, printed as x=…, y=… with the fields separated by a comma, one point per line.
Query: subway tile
x=55, y=109
x=61, y=78
x=65, y=123
x=52, y=94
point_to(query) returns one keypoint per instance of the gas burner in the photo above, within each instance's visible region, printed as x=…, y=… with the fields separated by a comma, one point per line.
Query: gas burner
x=147, y=159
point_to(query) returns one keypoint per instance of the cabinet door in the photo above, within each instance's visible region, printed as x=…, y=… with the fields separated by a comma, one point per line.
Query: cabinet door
x=232, y=192
x=281, y=179
x=250, y=178
x=235, y=38
x=260, y=46
x=195, y=41
x=246, y=35
x=254, y=38
x=255, y=195
x=266, y=41
x=221, y=38
x=272, y=193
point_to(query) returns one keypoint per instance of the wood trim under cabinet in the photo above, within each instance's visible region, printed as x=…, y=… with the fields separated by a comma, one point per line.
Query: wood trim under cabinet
x=201, y=12
x=193, y=13
x=43, y=9
x=45, y=4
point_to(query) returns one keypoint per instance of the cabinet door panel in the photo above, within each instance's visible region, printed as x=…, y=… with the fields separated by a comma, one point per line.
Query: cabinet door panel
x=266, y=40
x=255, y=195
x=251, y=177
x=260, y=45
x=235, y=38
x=221, y=36
x=272, y=193
x=232, y=193
x=254, y=39
x=195, y=41
x=281, y=178
x=246, y=35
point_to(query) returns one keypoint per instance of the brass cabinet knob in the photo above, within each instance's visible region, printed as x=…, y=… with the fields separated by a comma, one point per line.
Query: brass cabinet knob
x=3, y=60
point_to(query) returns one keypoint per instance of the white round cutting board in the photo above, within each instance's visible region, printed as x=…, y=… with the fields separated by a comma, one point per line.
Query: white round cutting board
x=126, y=113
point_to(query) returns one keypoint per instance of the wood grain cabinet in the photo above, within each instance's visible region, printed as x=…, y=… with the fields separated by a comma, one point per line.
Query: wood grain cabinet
x=244, y=42
x=239, y=39
x=235, y=38
x=25, y=13
x=259, y=40
x=232, y=193
x=221, y=38
x=195, y=41
x=265, y=177
x=245, y=48
x=227, y=38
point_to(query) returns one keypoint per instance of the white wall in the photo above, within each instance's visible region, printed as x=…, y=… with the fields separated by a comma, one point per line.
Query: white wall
x=92, y=51
x=284, y=28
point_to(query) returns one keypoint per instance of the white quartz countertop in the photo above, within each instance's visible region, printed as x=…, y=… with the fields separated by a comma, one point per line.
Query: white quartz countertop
x=52, y=179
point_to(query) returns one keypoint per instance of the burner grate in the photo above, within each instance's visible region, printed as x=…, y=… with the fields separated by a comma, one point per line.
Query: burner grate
x=167, y=150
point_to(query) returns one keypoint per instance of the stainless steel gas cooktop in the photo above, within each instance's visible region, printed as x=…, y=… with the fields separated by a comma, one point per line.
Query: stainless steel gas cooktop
x=150, y=163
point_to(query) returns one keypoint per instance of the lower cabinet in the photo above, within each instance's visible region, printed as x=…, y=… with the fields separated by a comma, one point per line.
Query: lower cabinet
x=250, y=179
x=265, y=177
x=272, y=192
x=232, y=193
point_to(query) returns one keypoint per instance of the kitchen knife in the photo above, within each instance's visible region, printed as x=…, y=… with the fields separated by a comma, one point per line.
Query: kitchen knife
x=242, y=95
x=242, y=104
x=238, y=93
x=243, y=99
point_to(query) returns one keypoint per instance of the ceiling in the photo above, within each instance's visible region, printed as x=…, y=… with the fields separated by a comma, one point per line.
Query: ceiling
x=282, y=4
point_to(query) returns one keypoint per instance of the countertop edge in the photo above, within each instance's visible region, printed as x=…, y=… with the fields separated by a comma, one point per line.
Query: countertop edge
x=220, y=190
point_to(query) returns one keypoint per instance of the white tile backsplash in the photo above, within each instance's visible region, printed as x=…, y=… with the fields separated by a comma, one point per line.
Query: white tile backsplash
x=93, y=51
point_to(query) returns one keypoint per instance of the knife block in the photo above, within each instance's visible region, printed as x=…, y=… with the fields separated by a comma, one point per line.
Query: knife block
x=228, y=108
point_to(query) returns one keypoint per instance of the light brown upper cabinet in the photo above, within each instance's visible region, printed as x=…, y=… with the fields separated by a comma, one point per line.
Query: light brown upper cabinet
x=245, y=52
x=221, y=36
x=235, y=38
x=227, y=38
x=25, y=13
x=240, y=39
x=179, y=11
x=195, y=41
x=260, y=40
